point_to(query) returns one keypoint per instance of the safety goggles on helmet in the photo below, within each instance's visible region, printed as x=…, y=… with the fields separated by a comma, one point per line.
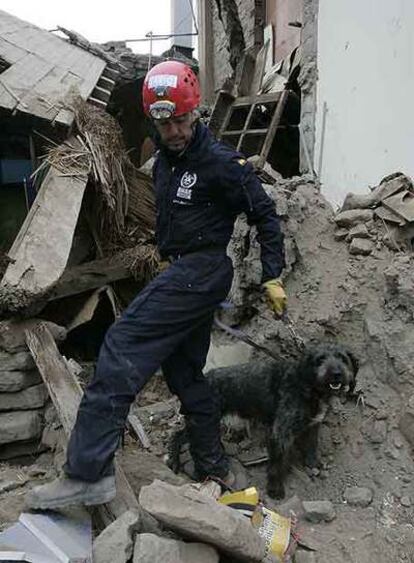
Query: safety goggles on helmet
x=163, y=109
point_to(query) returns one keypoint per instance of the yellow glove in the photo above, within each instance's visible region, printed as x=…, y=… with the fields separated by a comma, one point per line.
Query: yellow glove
x=276, y=296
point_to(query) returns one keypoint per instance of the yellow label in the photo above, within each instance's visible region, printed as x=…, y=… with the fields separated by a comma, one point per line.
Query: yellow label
x=274, y=529
x=248, y=496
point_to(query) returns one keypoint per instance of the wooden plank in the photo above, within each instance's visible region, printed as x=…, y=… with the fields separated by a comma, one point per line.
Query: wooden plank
x=66, y=394
x=262, y=99
x=45, y=239
x=271, y=134
x=259, y=69
x=139, y=431
x=91, y=275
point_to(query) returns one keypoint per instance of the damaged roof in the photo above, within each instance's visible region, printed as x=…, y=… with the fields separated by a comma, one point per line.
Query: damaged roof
x=39, y=70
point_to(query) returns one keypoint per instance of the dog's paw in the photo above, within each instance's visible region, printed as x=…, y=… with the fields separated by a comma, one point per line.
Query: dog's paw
x=275, y=491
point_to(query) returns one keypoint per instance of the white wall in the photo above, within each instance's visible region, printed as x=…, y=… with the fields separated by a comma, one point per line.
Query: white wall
x=366, y=79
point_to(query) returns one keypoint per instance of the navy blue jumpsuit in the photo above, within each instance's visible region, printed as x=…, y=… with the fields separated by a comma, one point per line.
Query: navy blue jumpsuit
x=199, y=194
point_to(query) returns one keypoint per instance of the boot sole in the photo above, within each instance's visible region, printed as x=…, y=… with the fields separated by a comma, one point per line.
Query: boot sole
x=81, y=499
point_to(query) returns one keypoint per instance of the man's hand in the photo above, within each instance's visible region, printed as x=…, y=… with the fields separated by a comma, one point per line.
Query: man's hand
x=276, y=296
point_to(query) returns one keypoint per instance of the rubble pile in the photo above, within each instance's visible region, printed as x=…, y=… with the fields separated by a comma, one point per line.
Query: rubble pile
x=23, y=395
x=383, y=217
x=364, y=301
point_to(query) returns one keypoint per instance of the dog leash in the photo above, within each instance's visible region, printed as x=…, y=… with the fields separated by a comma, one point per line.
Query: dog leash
x=241, y=335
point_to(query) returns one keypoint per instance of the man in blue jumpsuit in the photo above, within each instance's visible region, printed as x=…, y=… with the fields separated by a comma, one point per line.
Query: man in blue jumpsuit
x=201, y=187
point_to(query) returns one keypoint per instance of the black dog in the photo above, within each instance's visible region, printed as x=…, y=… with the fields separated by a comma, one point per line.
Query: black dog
x=291, y=397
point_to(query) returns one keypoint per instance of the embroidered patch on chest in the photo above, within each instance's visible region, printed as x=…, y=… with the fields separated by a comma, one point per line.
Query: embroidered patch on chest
x=188, y=179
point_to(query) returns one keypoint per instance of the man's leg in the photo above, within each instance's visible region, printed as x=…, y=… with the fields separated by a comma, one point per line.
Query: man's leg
x=184, y=375
x=154, y=325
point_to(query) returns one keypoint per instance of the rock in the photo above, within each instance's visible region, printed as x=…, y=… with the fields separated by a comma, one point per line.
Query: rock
x=21, y=449
x=302, y=556
x=13, y=381
x=349, y=219
x=405, y=501
x=379, y=432
x=341, y=234
x=361, y=246
x=12, y=336
x=291, y=506
x=20, y=425
x=358, y=201
x=150, y=548
x=115, y=543
x=359, y=231
x=19, y=361
x=197, y=516
x=319, y=511
x=358, y=496
x=30, y=398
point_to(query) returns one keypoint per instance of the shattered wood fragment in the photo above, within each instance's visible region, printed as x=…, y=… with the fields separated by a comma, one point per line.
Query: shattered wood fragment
x=66, y=394
x=139, y=431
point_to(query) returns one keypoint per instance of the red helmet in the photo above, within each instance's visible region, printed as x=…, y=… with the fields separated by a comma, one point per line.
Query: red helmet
x=170, y=89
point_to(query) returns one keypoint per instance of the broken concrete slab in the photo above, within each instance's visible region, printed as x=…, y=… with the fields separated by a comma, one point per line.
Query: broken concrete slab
x=20, y=425
x=115, y=544
x=14, y=381
x=319, y=511
x=19, y=361
x=12, y=335
x=402, y=204
x=31, y=398
x=361, y=246
x=150, y=548
x=196, y=516
x=388, y=186
x=358, y=496
x=352, y=217
x=359, y=231
x=387, y=215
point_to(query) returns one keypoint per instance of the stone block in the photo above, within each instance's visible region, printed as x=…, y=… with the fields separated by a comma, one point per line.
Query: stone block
x=20, y=425
x=28, y=399
x=13, y=381
x=150, y=548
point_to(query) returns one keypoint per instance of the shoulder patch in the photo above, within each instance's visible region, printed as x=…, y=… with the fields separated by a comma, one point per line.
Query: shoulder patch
x=242, y=161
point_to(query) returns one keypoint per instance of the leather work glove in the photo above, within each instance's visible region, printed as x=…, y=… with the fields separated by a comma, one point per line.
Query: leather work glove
x=276, y=296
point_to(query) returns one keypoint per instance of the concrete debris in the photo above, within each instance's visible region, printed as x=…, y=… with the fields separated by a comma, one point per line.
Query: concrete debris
x=196, y=516
x=115, y=544
x=12, y=336
x=14, y=381
x=30, y=398
x=387, y=213
x=150, y=548
x=359, y=231
x=406, y=423
x=20, y=425
x=405, y=501
x=20, y=361
x=319, y=511
x=358, y=496
x=361, y=246
x=349, y=219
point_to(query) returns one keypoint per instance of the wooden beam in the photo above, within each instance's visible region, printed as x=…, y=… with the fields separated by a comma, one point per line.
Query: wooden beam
x=66, y=394
x=91, y=275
